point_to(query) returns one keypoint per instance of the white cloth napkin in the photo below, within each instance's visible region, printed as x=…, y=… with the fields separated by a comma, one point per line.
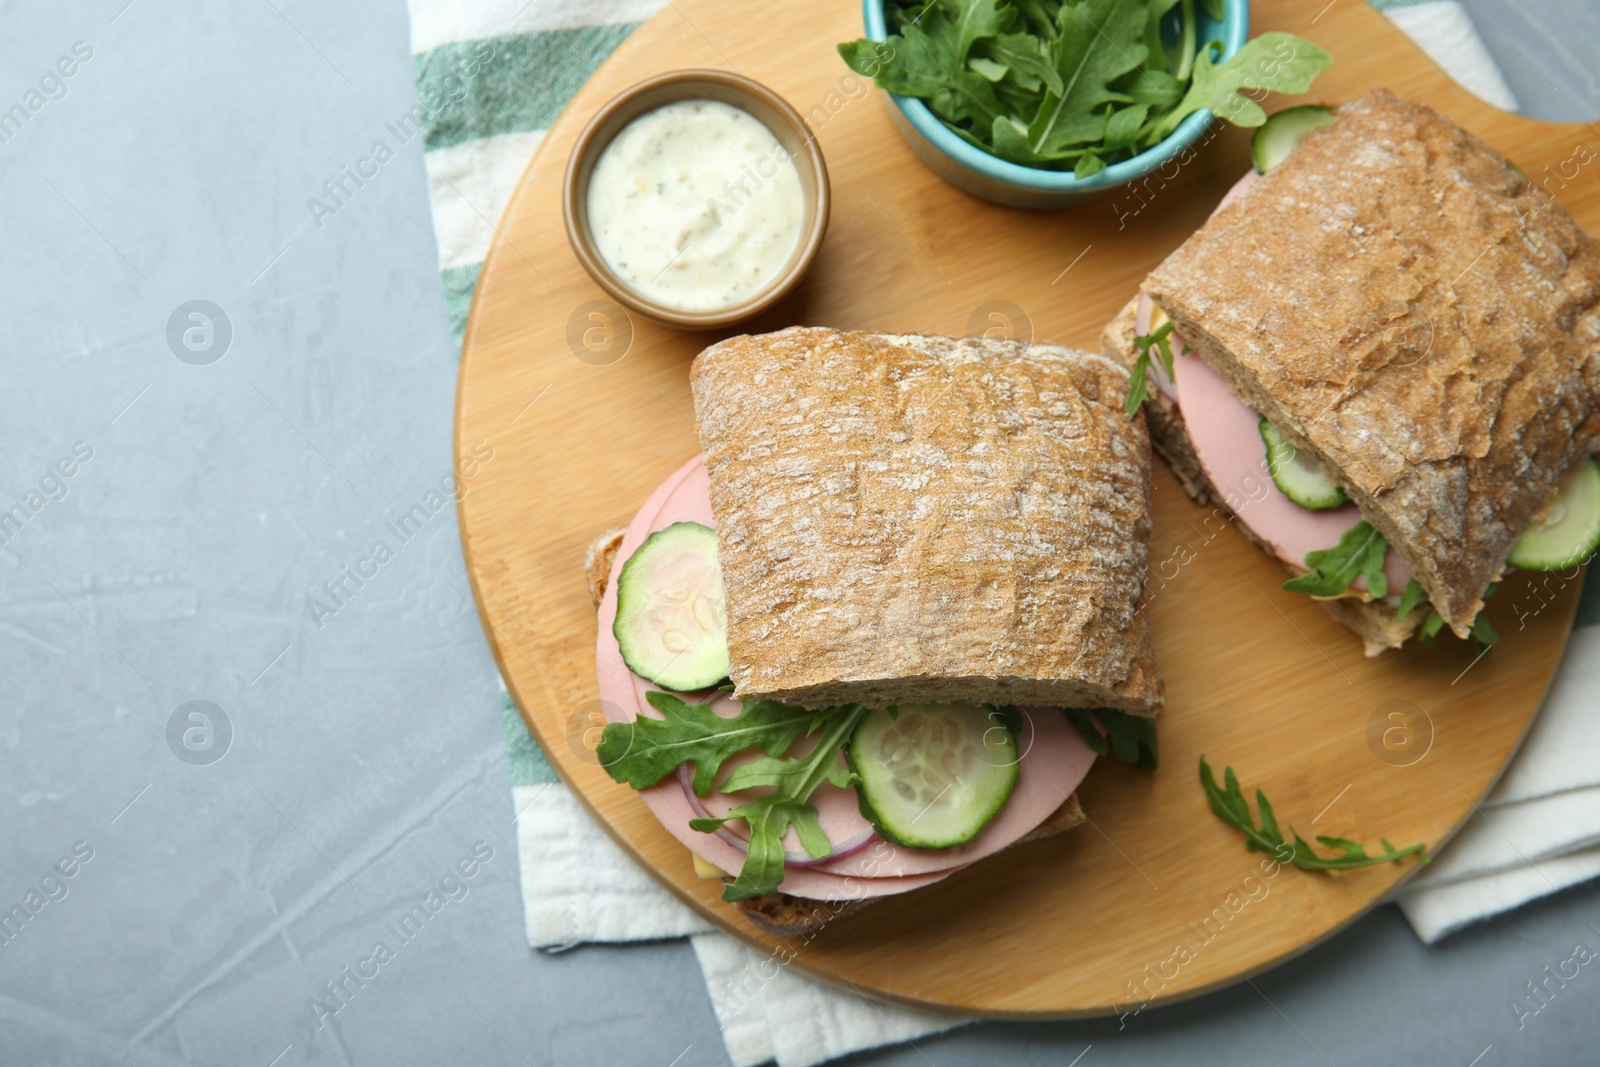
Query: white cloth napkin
x=1540, y=829
x=491, y=76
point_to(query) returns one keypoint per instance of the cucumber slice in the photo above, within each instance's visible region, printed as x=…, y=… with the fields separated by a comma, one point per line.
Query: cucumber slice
x=1567, y=531
x=933, y=775
x=671, y=617
x=1303, y=479
x=1272, y=143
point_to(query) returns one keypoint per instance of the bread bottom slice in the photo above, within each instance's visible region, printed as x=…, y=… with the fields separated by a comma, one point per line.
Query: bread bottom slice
x=783, y=915
x=1374, y=622
x=779, y=913
x=597, y=563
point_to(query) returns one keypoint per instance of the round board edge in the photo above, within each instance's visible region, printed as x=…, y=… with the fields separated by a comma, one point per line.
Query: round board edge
x=732, y=922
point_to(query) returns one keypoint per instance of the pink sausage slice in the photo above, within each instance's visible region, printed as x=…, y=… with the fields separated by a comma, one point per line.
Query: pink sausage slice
x=1227, y=438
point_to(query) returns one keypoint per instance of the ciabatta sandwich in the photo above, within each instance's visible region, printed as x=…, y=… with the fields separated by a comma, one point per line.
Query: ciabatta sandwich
x=1387, y=367
x=836, y=648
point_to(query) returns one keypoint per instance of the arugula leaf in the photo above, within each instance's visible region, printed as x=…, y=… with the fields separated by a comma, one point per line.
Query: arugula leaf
x=1026, y=57
x=1360, y=551
x=1483, y=636
x=1410, y=599
x=1430, y=627
x=1156, y=88
x=1186, y=35
x=643, y=752
x=987, y=67
x=768, y=771
x=1042, y=14
x=1131, y=738
x=1098, y=42
x=1152, y=35
x=1040, y=82
x=1122, y=127
x=1010, y=140
x=1138, y=378
x=975, y=20
x=1277, y=61
x=1229, y=805
x=918, y=65
x=788, y=805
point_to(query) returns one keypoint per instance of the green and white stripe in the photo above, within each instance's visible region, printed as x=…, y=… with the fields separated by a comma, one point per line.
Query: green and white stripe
x=492, y=75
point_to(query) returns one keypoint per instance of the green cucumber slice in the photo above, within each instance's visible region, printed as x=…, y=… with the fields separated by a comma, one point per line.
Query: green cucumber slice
x=1567, y=531
x=671, y=616
x=933, y=775
x=1303, y=479
x=1272, y=143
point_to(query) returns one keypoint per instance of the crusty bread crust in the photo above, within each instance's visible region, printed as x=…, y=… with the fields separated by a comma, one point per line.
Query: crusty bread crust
x=912, y=518
x=597, y=562
x=786, y=916
x=1374, y=622
x=1408, y=308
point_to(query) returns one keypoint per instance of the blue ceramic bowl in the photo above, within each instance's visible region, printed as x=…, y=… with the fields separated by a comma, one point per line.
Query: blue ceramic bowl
x=981, y=174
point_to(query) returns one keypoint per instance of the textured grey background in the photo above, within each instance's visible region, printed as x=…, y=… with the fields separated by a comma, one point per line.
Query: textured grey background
x=367, y=755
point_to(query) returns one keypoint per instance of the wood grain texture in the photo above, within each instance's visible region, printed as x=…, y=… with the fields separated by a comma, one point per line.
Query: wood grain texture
x=1256, y=677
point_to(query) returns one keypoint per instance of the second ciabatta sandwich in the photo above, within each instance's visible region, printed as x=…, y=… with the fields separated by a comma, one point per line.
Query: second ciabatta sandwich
x=1395, y=334
x=879, y=631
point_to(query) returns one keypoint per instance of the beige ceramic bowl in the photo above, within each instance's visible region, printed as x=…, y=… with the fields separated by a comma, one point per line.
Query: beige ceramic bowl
x=772, y=111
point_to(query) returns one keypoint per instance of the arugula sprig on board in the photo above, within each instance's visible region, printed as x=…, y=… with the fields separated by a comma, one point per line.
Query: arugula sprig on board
x=1229, y=805
x=645, y=751
x=1075, y=84
x=1131, y=738
x=1138, y=379
x=1360, y=551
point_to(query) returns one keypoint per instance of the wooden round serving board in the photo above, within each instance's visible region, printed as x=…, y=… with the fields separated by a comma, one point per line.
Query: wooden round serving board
x=1257, y=678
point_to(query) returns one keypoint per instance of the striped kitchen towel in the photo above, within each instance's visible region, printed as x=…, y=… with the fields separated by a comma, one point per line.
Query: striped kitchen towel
x=491, y=77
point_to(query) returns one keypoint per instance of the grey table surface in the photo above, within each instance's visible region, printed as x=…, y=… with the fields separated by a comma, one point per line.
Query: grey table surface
x=362, y=761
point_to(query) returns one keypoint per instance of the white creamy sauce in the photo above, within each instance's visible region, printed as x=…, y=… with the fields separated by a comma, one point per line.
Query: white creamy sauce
x=695, y=205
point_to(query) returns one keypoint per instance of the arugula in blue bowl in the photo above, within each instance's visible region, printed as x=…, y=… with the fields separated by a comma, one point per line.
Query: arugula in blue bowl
x=1045, y=103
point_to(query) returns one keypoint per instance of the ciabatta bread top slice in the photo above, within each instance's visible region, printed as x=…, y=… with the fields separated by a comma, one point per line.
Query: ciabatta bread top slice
x=908, y=519
x=1375, y=622
x=1405, y=305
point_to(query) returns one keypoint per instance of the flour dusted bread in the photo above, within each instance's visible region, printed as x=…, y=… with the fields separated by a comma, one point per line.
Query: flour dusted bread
x=925, y=519
x=1404, y=306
